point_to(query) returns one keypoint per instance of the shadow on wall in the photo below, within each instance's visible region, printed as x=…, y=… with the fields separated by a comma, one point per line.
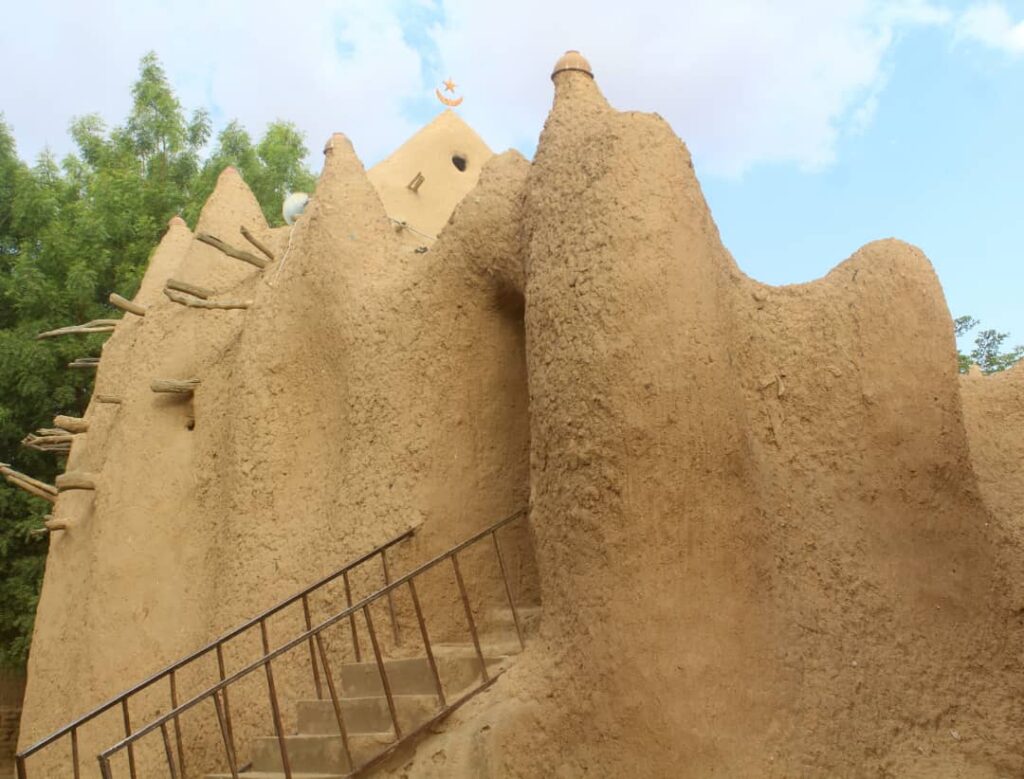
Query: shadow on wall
x=12, y=691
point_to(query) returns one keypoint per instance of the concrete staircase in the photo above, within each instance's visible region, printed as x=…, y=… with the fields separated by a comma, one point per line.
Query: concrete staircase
x=316, y=750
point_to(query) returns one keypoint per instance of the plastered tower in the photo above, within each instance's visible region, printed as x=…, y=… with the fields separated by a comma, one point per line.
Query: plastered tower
x=761, y=543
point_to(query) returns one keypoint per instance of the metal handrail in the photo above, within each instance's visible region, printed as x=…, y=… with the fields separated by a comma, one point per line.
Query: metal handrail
x=219, y=690
x=217, y=644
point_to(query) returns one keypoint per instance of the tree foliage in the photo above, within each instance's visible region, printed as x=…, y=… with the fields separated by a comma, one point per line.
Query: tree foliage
x=986, y=354
x=272, y=168
x=73, y=231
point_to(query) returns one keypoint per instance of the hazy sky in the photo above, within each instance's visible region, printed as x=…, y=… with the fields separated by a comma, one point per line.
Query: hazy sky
x=815, y=125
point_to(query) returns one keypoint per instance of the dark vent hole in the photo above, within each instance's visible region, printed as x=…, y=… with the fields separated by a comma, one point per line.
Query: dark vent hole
x=459, y=162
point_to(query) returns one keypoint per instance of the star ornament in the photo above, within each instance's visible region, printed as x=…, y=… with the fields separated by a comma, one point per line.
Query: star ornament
x=449, y=86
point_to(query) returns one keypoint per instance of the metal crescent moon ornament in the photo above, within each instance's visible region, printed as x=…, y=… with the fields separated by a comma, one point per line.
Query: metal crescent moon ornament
x=449, y=86
x=447, y=100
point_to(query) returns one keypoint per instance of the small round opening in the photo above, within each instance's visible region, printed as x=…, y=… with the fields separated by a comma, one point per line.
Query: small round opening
x=459, y=161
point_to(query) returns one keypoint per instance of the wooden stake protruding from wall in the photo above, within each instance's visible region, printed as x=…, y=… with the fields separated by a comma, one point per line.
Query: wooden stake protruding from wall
x=416, y=183
x=256, y=242
x=231, y=251
x=189, y=289
x=95, y=326
x=101, y=398
x=76, y=480
x=71, y=424
x=52, y=524
x=175, y=386
x=126, y=305
x=192, y=302
x=85, y=363
x=38, y=488
x=49, y=440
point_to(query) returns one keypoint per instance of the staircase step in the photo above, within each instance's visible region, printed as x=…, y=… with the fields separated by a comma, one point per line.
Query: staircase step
x=317, y=753
x=276, y=775
x=457, y=665
x=368, y=714
x=529, y=619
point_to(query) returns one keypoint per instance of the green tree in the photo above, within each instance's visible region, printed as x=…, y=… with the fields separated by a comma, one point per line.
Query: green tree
x=272, y=168
x=71, y=232
x=988, y=344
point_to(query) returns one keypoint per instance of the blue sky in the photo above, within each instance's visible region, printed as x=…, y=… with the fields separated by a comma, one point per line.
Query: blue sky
x=941, y=165
x=815, y=126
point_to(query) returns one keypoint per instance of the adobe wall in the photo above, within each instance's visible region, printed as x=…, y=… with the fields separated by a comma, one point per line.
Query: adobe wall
x=367, y=390
x=761, y=543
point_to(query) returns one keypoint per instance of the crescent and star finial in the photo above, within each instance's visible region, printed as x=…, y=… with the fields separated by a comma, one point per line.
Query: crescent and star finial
x=449, y=86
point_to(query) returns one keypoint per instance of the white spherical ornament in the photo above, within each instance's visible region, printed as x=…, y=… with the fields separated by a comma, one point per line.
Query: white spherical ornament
x=293, y=206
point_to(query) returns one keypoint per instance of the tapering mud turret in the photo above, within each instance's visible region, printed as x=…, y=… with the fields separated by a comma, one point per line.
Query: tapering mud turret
x=165, y=262
x=230, y=207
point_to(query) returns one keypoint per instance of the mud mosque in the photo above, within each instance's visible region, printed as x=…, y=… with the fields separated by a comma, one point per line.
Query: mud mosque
x=496, y=467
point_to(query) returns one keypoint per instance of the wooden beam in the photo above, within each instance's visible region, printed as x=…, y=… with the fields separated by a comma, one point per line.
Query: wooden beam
x=189, y=289
x=76, y=480
x=38, y=488
x=88, y=327
x=85, y=363
x=52, y=524
x=256, y=242
x=100, y=398
x=178, y=386
x=7, y=470
x=231, y=251
x=126, y=305
x=71, y=424
x=49, y=443
x=191, y=302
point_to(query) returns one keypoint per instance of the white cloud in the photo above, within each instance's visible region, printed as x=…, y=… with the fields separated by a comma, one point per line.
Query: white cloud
x=990, y=24
x=743, y=82
x=336, y=65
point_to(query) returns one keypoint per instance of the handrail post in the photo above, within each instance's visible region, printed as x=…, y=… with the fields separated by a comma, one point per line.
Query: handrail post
x=19, y=763
x=229, y=741
x=104, y=767
x=351, y=617
x=382, y=671
x=508, y=589
x=227, y=704
x=335, y=701
x=168, y=751
x=74, y=753
x=312, y=651
x=128, y=733
x=274, y=708
x=469, y=617
x=426, y=643
x=177, y=724
x=391, y=599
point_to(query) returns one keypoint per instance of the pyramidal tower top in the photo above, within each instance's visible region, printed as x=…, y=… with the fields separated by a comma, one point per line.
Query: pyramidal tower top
x=426, y=177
